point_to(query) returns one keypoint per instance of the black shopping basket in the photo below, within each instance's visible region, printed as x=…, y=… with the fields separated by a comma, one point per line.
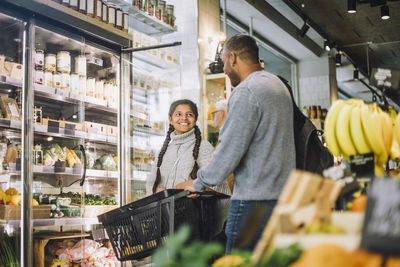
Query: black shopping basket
x=136, y=229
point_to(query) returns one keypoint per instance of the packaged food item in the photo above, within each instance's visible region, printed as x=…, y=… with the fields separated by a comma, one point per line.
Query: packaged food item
x=65, y=81
x=73, y=4
x=38, y=76
x=82, y=6
x=137, y=39
x=119, y=19
x=80, y=65
x=137, y=3
x=150, y=7
x=111, y=14
x=90, y=86
x=48, y=78
x=104, y=16
x=170, y=15
x=50, y=61
x=74, y=84
x=63, y=62
x=108, y=87
x=162, y=12
x=149, y=82
x=125, y=21
x=99, y=89
x=10, y=108
x=82, y=85
x=57, y=80
x=98, y=9
x=90, y=7
x=39, y=58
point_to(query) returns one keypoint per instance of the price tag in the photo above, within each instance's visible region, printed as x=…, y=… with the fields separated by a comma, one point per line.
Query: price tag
x=53, y=126
x=362, y=165
x=69, y=129
x=5, y=123
x=381, y=229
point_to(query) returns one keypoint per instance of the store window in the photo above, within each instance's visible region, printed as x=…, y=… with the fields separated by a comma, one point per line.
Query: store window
x=274, y=62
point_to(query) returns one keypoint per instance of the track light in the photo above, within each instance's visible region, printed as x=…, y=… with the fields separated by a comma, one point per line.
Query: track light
x=327, y=46
x=355, y=74
x=385, y=12
x=351, y=6
x=338, y=59
x=303, y=29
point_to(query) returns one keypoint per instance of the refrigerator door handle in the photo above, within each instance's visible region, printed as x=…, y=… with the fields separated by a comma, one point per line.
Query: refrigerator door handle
x=82, y=149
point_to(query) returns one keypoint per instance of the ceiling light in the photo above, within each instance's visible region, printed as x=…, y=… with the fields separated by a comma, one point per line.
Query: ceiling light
x=385, y=12
x=351, y=6
x=338, y=60
x=303, y=29
x=327, y=46
x=355, y=74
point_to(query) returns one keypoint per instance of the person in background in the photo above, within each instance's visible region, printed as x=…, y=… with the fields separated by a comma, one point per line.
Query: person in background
x=256, y=140
x=183, y=151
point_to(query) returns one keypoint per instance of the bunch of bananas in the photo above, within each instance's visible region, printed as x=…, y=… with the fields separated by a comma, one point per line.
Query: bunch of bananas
x=353, y=127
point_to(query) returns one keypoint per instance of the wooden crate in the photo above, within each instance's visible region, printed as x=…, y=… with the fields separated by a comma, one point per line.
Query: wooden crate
x=11, y=212
x=40, y=241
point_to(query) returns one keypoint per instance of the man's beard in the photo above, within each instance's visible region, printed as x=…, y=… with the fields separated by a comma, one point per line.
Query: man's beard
x=234, y=77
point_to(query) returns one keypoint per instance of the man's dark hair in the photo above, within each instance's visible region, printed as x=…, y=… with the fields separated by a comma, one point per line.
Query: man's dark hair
x=244, y=46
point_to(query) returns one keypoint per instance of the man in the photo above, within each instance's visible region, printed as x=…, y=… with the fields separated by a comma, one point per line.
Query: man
x=256, y=141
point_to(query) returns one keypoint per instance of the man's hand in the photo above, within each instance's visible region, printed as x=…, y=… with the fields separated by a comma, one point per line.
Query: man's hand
x=191, y=189
x=184, y=184
x=160, y=190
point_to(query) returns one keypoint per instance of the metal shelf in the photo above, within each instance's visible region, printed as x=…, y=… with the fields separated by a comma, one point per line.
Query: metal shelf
x=5, y=80
x=150, y=25
x=154, y=61
x=67, y=97
x=55, y=222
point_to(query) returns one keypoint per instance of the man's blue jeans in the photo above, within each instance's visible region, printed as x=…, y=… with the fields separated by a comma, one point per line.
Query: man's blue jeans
x=237, y=216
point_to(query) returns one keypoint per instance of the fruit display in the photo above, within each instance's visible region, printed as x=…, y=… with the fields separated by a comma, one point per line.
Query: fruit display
x=353, y=127
x=12, y=197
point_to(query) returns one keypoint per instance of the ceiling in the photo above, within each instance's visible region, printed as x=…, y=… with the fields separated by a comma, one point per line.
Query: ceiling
x=367, y=40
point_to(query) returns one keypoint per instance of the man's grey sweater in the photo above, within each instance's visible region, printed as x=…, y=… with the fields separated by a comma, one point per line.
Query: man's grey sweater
x=256, y=141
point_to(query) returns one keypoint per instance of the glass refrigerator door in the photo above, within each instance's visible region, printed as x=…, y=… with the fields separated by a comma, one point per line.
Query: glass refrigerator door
x=11, y=86
x=154, y=84
x=75, y=166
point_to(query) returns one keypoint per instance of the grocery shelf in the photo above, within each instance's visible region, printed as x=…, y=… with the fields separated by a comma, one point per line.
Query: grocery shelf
x=151, y=24
x=41, y=169
x=154, y=60
x=67, y=97
x=55, y=221
x=5, y=80
x=138, y=114
x=150, y=131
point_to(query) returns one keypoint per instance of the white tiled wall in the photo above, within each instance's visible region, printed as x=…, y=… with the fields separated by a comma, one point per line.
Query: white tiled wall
x=314, y=91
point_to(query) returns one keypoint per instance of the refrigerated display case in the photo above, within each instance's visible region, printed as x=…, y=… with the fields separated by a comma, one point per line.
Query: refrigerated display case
x=78, y=132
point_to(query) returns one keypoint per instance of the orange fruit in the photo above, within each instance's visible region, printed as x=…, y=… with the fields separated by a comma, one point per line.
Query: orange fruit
x=359, y=203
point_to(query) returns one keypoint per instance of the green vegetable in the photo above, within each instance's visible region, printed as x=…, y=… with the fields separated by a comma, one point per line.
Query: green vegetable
x=49, y=159
x=107, y=163
x=282, y=257
x=176, y=253
x=57, y=150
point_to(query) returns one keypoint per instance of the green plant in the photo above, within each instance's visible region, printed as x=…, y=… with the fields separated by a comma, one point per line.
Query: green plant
x=175, y=252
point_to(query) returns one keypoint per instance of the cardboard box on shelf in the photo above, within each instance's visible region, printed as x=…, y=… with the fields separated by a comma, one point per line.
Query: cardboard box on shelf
x=92, y=127
x=112, y=131
x=12, y=212
x=9, y=108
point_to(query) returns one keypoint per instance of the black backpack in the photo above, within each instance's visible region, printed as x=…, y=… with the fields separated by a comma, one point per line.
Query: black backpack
x=311, y=154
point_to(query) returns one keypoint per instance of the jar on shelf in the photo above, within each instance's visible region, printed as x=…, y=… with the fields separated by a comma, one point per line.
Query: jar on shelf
x=156, y=10
x=82, y=6
x=39, y=58
x=50, y=61
x=48, y=78
x=104, y=13
x=125, y=21
x=80, y=65
x=99, y=89
x=90, y=8
x=57, y=80
x=74, y=84
x=74, y=4
x=119, y=18
x=150, y=7
x=82, y=85
x=90, y=86
x=111, y=15
x=162, y=7
x=38, y=76
x=65, y=3
x=137, y=3
x=144, y=4
x=318, y=112
x=170, y=15
x=98, y=9
x=65, y=81
x=64, y=62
